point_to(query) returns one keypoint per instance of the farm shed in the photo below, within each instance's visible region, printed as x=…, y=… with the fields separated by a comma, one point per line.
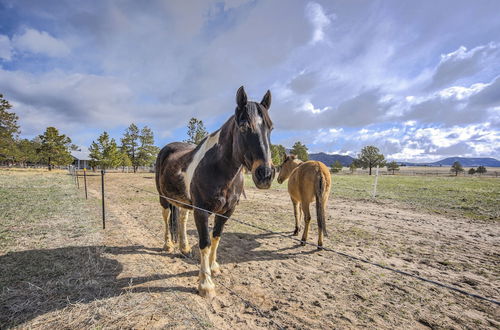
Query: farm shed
x=81, y=159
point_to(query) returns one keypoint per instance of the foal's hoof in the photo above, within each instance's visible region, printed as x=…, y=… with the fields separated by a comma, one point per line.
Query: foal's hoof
x=302, y=242
x=296, y=232
x=169, y=248
x=320, y=247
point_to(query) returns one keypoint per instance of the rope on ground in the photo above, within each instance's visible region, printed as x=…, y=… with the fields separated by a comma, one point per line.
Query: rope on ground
x=402, y=272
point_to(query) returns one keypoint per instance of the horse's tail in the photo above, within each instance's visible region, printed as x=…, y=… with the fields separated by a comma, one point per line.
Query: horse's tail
x=321, y=198
x=174, y=217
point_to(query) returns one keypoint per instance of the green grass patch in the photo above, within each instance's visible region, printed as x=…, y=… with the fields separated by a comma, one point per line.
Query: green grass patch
x=40, y=208
x=471, y=197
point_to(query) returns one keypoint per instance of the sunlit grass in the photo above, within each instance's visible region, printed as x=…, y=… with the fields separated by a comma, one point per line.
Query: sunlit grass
x=471, y=197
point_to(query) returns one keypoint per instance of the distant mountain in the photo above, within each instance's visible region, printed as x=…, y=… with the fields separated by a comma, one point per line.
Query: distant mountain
x=465, y=161
x=328, y=160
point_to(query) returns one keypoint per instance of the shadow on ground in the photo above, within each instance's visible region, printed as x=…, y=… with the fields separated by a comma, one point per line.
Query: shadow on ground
x=36, y=282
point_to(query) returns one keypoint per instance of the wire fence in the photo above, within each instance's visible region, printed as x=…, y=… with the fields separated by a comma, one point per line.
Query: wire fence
x=340, y=253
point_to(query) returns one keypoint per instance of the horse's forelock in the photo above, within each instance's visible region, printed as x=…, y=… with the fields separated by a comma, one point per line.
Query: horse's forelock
x=253, y=109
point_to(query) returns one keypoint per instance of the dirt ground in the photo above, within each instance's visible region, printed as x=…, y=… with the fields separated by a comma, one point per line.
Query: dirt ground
x=134, y=284
x=299, y=287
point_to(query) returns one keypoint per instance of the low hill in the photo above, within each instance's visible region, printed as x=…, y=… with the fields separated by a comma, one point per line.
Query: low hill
x=328, y=160
x=465, y=161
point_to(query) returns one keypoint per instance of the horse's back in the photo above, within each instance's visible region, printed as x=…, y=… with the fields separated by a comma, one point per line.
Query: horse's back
x=169, y=163
x=303, y=180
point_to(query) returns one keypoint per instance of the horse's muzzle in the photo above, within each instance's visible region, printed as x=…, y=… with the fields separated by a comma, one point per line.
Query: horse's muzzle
x=263, y=176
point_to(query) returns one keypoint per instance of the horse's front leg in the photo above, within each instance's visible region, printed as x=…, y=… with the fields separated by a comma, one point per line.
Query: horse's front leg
x=216, y=235
x=183, y=241
x=206, y=287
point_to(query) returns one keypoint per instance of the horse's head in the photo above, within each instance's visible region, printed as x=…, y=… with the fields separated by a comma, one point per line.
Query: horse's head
x=288, y=165
x=253, y=137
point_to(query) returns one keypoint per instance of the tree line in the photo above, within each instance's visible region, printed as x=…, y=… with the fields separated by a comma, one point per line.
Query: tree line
x=49, y=148
x=136, y=149
x=52, y=148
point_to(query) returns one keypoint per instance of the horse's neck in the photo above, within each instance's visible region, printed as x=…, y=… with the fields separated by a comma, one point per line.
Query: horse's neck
x=296, y=163
x=229, y=156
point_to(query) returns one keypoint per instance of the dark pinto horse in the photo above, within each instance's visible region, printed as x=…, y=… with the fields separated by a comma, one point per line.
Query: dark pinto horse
x=209, y=176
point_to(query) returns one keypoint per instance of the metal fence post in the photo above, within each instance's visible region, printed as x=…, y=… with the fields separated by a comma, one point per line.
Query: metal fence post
x=77, y=181
x=85, y=181
x=102, y=196
x=375, y=184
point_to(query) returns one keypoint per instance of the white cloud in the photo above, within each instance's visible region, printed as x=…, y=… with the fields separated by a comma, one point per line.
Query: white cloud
x=37, y=42
x=308, y=106
x=318, y=19
x=328, y=136
x=5, y=48
x=463, y=63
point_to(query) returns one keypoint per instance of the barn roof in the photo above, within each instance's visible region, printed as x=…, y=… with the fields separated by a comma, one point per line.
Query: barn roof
x=81, y=155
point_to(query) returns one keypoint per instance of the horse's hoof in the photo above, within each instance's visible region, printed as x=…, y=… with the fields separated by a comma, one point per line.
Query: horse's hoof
x=215, y=269
x=169, y=248
x=296, y=231
x=206, y=290
x=186, y=251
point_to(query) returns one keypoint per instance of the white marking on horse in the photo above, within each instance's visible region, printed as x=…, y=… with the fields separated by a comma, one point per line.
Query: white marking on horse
x=204, y=148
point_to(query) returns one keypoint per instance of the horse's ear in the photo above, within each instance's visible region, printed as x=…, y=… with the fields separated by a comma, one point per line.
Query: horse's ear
x=241, y=97
x=284, y=157
x=266, y=100
x=293, y=156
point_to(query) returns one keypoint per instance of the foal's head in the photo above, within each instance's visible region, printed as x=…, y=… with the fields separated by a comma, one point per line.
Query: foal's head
x=253, y=137
x=289, y=164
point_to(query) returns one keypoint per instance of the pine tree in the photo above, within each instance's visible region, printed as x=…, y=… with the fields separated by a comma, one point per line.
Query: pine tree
x=105, y=153
x=147, y=151
x=130, y=144
x=393, y=166
x=353, y=166
x=336, y=167
x=54, y=148
x=481, y=170
x=8, y=131
x=196, y=131
x=278, y=153
x=370, y=157
x=456, y=168
x=300, y=150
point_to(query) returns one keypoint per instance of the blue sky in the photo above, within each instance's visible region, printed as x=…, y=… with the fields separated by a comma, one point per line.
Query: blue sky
x=418, y=79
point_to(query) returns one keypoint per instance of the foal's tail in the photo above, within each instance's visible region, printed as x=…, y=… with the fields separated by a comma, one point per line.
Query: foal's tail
x=173, y=221
x=321, y=192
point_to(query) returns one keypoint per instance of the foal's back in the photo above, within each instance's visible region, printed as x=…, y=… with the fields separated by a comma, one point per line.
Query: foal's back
x=302, y=183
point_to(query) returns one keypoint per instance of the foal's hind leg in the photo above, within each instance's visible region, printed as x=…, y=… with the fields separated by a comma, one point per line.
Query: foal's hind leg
x=183, y=241
x=297, y=213
x=307, y=220
x=169, y=245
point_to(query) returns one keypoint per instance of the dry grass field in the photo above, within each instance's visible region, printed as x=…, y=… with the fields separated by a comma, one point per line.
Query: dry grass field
x=60, y=270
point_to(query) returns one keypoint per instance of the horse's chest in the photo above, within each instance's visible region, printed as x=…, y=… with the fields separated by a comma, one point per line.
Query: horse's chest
x=218, y=198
